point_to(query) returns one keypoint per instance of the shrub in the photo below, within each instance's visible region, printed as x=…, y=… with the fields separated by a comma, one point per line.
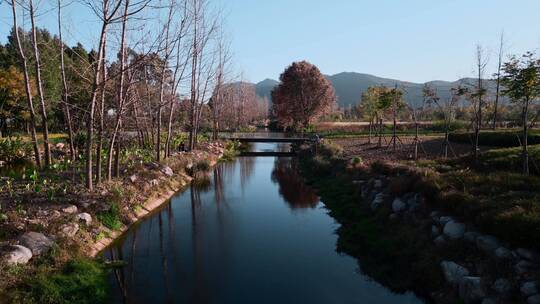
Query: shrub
x=14, y=149
x=498, y=138
x=80, y=281
x=111, y=218
x=201, y=166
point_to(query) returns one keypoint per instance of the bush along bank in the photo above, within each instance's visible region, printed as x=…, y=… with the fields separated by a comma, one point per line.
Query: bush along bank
x=46, y=245
x=392, y=220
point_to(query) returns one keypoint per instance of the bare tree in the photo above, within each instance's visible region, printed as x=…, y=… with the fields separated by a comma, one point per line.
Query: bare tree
x=481, y=63
x=37, y=61
x=106, y=11
x=65, y=92
x=498, y=81
x=27, y=87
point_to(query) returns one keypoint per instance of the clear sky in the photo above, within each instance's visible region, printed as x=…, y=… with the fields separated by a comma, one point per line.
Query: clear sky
x=414, y=40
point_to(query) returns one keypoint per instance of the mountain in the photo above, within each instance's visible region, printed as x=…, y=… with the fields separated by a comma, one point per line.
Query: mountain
x=265, y=87
x=349, y=87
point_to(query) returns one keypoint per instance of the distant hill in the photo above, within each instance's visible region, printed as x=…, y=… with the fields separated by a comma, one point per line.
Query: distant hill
x=349, y=87
x=265, y=87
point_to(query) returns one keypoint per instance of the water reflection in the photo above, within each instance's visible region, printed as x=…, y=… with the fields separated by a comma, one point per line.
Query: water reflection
x=236, y=240
x=291, y=185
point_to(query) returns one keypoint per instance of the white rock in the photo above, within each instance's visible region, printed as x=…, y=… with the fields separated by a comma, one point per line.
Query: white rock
x=445, y=219
x=470, y=289
x=71, y=209
x=439, y=241
x=153, y=182
x=489, y=301
x=534, y=299
x=453, y=273
x=17, y=254
x=503, y=253
x=377, y=201
x=454, y=230
x=69, y=230
x=529, y=288
x=398, y=205
x=132, y=178
x=435, y=231
x=59, y=146
x=470, y=236
x=502, y=286
x=167, y=171
x=37, y=242
x=487, y=243
x=523, y=266
x=527, y=254
x=84, y=218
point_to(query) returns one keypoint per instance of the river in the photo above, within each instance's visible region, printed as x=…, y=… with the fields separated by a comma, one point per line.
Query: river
x=252, y=233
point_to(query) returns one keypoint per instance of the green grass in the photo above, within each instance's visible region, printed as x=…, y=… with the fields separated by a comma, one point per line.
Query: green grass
x=499, y=138
x=79, y=281
x=385, y=250
x=111, y=218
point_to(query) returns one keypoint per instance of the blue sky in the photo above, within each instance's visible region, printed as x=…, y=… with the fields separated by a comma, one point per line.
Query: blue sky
x=414, y=40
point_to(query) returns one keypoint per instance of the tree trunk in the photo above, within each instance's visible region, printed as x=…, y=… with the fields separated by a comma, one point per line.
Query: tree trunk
x=90, y=118
x=28, y=91
x=45, y=130
x=64, y=86
x=120, y=104
x=525, y=139
x=101, y=124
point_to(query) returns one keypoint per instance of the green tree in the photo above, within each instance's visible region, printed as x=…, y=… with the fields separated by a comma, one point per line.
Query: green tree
x=521, y=80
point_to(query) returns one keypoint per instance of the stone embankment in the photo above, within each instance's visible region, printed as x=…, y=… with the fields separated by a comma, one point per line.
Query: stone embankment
x=147, y=188
x=475, y=279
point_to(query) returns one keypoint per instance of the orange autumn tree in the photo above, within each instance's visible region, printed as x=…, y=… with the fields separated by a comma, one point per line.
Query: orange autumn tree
x=302, y=96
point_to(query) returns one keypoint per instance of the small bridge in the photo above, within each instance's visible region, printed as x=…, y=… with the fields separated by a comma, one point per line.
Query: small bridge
x=294, y=140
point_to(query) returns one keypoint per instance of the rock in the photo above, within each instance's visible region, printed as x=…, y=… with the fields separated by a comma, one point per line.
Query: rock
x=534, y=299
x=470, y=289
x=503, y=253
x=527, y=254
x=489, y=301
x=414, y=202
x=70, y=209
x=529, y=288
x=398, y=205
x=453, y=273
x=502, y=286
x=445, y=219
x=435, y=215
x=470, y=236
x=377, y=201
x=487, y=243
x=435, y=231
x=69, y=230
x=393, y=216
x=59, y=146
x=132, y=178
x=523, y=266
x=167, y=171
x=153, y=182
x=377, y=184
x=454, y=230
x=439, y=241
x=84, y=218
x=37, y=242
x=17, y=254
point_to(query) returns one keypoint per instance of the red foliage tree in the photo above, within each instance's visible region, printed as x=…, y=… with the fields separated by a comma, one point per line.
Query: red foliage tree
x=303, y=95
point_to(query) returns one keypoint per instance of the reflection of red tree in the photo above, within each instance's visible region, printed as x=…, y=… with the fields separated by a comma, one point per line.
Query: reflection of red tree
x=291, y=185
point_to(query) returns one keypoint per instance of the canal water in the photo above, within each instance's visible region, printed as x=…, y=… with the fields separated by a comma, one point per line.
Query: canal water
x=252, y=233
